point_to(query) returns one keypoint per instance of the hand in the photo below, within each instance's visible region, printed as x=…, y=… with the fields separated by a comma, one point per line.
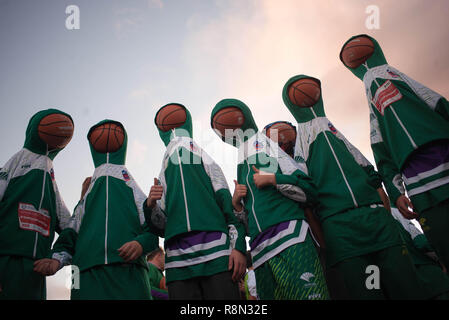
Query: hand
x=130, y=251
x=263, y=179
x=85, y=186
x=403, y=203
x=155, y=194
x=240, y=192
x=237, y=261
x=385, y=200
x=46, y=267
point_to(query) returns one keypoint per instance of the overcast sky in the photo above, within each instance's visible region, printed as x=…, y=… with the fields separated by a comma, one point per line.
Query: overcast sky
x=130, y=57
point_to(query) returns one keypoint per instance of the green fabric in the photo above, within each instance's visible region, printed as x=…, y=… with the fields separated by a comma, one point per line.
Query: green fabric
x=261, y=203
x=155, y=276
x=435, y=280
x=18, y=281
x=358, y=232
x=35, y=187
x=413, y=246
x=32, y=140
x=331, y=160
x=113, y=282
x=435, y=224
x=398, y=278
x=293, y=274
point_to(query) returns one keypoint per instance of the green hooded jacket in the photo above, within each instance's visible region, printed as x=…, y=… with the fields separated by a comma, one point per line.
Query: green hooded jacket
x=344, y=177
x=269, y=206
x=404, y=116
x=196, y=199
x=109, y=215
x=31, y=208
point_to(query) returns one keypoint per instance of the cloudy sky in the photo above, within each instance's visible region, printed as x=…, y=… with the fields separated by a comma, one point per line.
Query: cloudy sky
x=130, y=57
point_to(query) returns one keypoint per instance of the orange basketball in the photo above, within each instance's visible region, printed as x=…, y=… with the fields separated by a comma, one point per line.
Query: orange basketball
x=357, y=51
x=304, y=92
x=107, y=137
x=285, y=133
x=228, y=118
x=171, y=116
x=56, y=130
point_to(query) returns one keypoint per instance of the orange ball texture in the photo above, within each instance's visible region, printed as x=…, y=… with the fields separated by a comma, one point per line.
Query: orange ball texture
x=56, y=130
x=107, y=137
x=170, y=117
x=304, y=92
x=285, y=133
x=228, y=118
x=357, y=51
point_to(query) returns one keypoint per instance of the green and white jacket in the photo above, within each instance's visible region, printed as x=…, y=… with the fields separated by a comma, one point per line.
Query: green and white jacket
x=195, y=214
x=109, y=215
x=404, y=116
x=275, y=219
x=31, y=208
x=344, y=177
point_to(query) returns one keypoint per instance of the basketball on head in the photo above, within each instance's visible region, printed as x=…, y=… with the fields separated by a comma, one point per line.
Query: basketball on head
x=304, y=92
x=107, y=137
x=56, y=130
x=357, y=51
x=170, y=117
x=228, y=118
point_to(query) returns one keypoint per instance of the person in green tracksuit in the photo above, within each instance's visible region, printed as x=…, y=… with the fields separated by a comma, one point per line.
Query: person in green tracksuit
x=358, y=231
x=427, y=263
x=107, y=238
x=269, y=187
x=156, y=263
x=31, y=210
x=191, y=207
x=410, y=141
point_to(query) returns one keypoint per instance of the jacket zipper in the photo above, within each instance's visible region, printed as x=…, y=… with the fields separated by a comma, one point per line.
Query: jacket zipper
x=183, y=186
x=40, y=203
x=107, y=215
x=252, y=196
x=394, y=113
x=339, y=165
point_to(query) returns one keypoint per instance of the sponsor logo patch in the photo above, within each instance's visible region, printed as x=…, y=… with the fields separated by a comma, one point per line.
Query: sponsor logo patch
x=385, y=95
x=125, y=175
x=34, y=220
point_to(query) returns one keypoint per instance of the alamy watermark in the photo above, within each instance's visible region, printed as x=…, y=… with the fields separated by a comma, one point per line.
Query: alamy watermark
x=72, y=22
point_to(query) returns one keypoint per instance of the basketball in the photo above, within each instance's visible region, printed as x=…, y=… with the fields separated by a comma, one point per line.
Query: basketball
x=107, y=137
x=285, y=133
x=228, y=118
x=304, y=92
x=357, y=51
x=171, y=116
x=56, y=130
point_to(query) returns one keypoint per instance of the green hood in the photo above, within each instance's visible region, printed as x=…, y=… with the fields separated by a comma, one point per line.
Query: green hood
x=182, y=131
x=249, y=127
x=117, y=157
x=32, y=140
x=303, y=114
x=376, y=59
